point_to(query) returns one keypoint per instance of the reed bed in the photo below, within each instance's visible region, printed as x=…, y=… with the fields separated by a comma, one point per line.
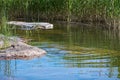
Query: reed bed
x=65, y=10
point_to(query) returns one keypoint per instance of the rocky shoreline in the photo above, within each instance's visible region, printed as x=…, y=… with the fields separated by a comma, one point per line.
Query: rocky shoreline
x=18, y=49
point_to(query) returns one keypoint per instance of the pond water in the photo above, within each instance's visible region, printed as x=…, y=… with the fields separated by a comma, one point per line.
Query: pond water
x=74, y=52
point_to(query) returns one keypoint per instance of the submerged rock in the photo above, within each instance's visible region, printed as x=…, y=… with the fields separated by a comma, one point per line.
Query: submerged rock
x=20, y=50
x=31, y=25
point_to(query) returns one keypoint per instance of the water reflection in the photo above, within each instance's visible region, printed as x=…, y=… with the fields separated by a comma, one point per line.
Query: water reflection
x=7, y=69
x=75, y=52
x=80, y=35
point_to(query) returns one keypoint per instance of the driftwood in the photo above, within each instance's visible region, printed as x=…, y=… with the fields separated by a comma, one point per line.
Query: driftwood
x=20, y=50
x=31, y=25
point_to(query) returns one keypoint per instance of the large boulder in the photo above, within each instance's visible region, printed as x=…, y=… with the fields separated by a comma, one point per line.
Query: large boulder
x=20, y=50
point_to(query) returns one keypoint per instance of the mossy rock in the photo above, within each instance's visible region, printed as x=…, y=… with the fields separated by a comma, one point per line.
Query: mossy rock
x=17, y=49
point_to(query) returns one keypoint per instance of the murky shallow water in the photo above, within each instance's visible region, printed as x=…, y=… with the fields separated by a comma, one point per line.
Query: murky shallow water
x=74, y=53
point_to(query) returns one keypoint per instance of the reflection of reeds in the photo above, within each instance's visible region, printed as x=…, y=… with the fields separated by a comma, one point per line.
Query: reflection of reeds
x=7, y=68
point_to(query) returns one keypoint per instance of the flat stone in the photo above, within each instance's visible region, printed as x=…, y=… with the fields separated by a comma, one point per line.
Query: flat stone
x=31, y=25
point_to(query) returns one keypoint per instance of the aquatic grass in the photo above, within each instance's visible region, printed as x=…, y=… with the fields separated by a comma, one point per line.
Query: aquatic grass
x=4, y=28
x=106, y=11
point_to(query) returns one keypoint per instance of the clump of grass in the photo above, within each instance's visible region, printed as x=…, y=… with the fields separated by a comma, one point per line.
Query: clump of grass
x=4, y=29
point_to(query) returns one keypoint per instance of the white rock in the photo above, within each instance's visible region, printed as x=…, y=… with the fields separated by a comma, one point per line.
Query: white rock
x=31, y=25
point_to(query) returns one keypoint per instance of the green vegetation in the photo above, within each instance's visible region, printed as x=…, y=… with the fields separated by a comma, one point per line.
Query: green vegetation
x=75, y=10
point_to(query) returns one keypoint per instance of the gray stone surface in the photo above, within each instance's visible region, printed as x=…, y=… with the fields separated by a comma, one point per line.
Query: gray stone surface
x=31, y=25
x=20, y=50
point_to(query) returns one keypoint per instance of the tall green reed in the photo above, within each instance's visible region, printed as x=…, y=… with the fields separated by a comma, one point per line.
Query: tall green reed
x=68, y=10
x=4, y=28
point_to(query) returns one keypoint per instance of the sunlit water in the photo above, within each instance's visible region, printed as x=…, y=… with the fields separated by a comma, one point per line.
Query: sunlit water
x=74, y=52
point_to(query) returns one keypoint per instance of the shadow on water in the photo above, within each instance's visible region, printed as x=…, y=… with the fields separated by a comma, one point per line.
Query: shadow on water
x=75, y=52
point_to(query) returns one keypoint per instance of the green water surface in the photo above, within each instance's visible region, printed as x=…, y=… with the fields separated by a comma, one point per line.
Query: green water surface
x=74, y=52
